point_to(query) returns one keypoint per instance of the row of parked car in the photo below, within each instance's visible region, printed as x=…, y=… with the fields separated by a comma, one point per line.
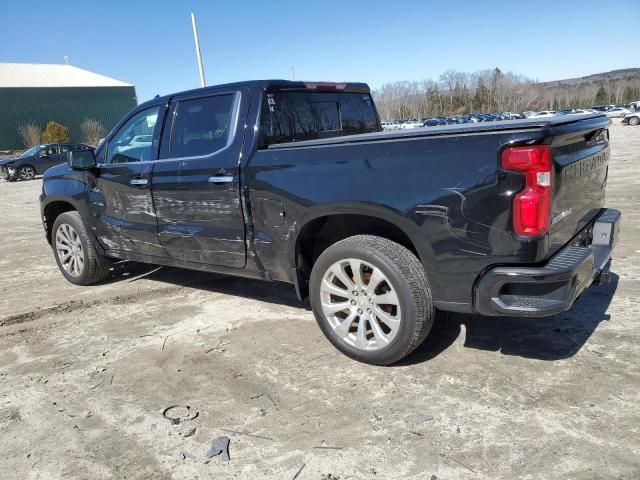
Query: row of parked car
x=630, y=114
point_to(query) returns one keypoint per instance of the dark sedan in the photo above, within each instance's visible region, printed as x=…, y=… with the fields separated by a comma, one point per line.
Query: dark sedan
x=36, y=160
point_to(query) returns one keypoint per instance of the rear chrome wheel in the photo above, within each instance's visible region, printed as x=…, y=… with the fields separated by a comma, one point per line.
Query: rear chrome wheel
x=371, y=299
x=27, y=173
x=360, y=304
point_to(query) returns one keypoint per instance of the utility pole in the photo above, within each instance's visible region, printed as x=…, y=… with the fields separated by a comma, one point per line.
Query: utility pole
x=203, y=82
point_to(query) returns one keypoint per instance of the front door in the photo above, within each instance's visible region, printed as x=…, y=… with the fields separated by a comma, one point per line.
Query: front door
x=120, y=199
x=49, y=156
x=196, y=189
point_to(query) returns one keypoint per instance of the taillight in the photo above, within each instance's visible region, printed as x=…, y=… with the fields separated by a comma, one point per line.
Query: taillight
x=532, y=206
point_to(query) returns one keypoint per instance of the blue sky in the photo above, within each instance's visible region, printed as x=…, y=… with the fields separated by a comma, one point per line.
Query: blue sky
x=150, y=44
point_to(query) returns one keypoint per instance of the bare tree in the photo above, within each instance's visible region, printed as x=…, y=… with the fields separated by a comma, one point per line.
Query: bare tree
x=491, y=90
x=92, y=131
x=30, y=134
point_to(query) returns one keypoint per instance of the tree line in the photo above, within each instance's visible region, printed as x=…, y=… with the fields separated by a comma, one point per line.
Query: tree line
x=458, y=93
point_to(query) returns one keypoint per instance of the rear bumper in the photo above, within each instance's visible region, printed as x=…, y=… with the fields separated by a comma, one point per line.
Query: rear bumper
x=551, y=288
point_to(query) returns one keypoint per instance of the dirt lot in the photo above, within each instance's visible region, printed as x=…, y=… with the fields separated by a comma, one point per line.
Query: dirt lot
x=85, y=374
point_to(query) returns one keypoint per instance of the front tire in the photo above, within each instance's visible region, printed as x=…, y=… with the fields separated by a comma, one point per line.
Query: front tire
x=27, y=173
x=75, y=255
x=634, y=121
x=371, y=299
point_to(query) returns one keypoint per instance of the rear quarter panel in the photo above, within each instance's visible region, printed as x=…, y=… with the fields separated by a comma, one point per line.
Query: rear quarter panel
x=445, y=192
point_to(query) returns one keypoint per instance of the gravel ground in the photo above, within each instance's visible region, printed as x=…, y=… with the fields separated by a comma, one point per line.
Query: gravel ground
x=86, y=373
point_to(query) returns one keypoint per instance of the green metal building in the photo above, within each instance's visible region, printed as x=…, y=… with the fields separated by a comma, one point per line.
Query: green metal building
x=39, y=93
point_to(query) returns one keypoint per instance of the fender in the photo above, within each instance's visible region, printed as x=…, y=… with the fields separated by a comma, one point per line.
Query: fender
x=67, y=186
x=393, y=216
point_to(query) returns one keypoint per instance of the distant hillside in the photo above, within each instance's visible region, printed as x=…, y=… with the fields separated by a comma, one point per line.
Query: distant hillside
x=625, y=74
x=615, y=87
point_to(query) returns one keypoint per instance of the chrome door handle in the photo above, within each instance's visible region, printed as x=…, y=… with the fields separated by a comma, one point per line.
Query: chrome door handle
x=138, y=181
x=221, y=179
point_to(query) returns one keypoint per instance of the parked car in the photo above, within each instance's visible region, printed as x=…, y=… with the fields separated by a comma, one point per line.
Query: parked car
x=411, y=124
x=631, y=119
x=512, y=116
x=543, y=114
x=36, y=160
x=433, y=122
x=617, y=112
x=366, y=223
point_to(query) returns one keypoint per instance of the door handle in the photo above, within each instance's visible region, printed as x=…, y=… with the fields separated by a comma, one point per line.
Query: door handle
x=139, y=182
x=221, y=179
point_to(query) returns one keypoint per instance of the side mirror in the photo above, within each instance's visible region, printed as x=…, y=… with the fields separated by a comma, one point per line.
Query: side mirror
x=81, y=159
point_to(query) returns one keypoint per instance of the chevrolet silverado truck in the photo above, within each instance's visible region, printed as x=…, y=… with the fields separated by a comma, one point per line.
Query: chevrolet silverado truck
x=296, y=182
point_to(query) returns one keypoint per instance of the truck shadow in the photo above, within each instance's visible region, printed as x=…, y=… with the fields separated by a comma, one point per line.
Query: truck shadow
x=549, y=338
x=271, y=292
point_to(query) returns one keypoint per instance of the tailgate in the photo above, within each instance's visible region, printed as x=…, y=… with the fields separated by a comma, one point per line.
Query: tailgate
x=581, y=158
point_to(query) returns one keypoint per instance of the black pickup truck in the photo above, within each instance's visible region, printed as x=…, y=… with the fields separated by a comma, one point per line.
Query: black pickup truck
x=296, y=182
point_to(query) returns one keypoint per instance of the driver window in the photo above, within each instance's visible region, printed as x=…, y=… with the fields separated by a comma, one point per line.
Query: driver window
x=48, y=150
x=134, y=142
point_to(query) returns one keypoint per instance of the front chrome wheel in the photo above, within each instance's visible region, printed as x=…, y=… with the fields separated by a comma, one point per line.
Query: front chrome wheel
x=27, y=173
x=69, y=250
x=360, y=303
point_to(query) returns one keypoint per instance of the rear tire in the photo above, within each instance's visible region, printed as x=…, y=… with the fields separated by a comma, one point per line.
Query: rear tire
x=634, y=121
x=27, y=172
x=385, y=311
x=76, y=256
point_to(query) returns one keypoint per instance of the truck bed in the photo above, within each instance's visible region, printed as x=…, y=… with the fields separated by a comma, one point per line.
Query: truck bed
x=461, y=129
x=445, y=186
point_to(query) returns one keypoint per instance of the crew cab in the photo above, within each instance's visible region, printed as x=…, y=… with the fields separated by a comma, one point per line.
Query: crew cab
x=295, y=182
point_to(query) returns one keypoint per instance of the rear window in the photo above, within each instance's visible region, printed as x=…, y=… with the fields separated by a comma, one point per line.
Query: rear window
x=297, y=116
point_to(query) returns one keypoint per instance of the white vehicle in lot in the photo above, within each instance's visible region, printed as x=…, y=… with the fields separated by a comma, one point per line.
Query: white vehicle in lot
x=411, y=124
x=581, y=111
x=631, y=119
x=543, y=114
x=618, y=112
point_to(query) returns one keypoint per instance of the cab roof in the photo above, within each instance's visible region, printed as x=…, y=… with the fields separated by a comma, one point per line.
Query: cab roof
x=271, y=85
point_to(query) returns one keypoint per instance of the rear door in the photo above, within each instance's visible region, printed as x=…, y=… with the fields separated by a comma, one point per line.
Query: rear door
x=196, y=182
x=120, y=199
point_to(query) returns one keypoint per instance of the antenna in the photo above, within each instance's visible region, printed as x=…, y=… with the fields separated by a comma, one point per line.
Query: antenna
x=203, y=83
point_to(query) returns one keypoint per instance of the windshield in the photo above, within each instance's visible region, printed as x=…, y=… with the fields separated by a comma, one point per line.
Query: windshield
x=31, y=151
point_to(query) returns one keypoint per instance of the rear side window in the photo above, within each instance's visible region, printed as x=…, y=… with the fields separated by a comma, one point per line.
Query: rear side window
x=201, y=126
x=297, y=116
x=358, y=114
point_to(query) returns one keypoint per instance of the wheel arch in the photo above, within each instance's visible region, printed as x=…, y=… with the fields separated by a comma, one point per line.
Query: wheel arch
x=330, y=225
x=52, y=210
